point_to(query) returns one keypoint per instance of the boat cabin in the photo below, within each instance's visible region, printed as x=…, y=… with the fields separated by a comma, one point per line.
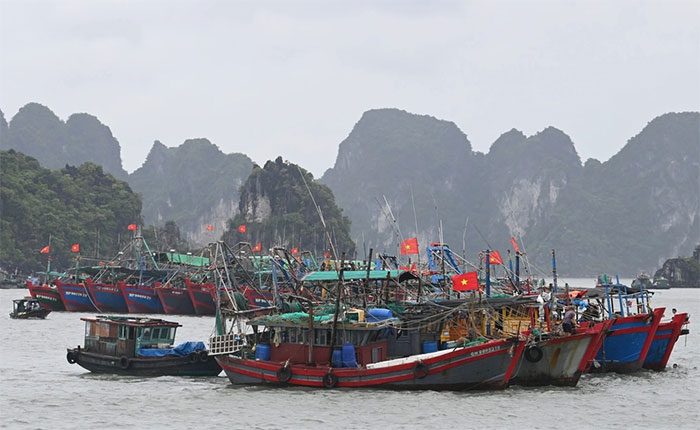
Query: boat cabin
x=124, y=336
x=24, y=305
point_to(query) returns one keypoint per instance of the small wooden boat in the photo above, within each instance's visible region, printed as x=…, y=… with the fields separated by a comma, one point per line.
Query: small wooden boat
x=28, y=308
x=141, y=347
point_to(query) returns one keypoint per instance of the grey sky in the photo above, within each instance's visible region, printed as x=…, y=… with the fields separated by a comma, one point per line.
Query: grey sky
x=292, y=78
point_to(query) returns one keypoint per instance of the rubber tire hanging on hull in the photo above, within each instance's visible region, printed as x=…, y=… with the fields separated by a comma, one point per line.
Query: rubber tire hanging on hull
x=421, y=370
x=330, y=380
x=124, y=362
x=71, y=357
x=284, y=374
x=533, y=354
x=203, y=356
x=194, y=357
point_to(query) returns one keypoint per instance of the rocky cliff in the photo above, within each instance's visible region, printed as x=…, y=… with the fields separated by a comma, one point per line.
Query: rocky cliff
x=277, y=209
x=36, y=131
x=623, y=215
x=194, y=184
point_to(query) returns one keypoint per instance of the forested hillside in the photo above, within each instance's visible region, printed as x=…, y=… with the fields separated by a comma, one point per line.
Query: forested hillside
x=80, y=205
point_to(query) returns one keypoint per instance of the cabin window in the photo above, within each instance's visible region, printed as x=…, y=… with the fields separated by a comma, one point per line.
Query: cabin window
x=146, y=333
x=132, y=331
x=122, y=332
x=376, y=354
x=155, y=334
x=321, y=337
x=164, y=333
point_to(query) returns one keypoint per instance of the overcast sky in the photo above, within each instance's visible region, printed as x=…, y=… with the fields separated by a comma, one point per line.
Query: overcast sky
x=292, y=78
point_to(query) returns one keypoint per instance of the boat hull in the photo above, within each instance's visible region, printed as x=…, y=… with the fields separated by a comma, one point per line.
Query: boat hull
x=664, y=340
x=487, y=366
x=75, y=297
x=141, y=299
x=175, y=301
x=560, y=361
x=191, y=365
x=202, y=297
x=627, y=343
x=29, y=315
x=49, y=298
x=107, y=298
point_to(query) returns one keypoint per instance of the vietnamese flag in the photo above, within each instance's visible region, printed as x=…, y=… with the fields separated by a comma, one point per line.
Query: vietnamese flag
x=495, y=257
x=132, y=227
x=514, y=242
x=465, y=282
x=257, y=247
x=295, y=251
x=210, y=227
x=75, y=248
x=409, y=246
x=45, y=250
x=326, y=254
x=242, y=229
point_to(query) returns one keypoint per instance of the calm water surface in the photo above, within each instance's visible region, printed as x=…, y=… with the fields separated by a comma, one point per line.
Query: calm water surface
x=40, y=390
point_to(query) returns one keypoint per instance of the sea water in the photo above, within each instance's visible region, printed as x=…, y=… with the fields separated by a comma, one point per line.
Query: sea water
x=40, y=390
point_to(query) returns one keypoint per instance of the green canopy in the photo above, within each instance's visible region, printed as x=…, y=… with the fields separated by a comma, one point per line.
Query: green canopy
x=176, y=258
x=352, y=275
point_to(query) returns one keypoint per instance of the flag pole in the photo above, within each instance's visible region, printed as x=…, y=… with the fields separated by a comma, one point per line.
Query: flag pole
x=48, y=262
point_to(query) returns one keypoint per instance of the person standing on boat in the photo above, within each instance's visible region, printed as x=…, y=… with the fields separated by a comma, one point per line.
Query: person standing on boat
x=567, y=323
x=543, y=300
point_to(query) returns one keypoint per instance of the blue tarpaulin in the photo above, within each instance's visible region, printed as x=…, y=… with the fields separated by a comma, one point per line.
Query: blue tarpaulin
x=181, y=350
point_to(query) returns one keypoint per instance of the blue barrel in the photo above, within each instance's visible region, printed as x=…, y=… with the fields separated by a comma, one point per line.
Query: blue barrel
x=430, y=346
x=262, y=352
x=337, y=359
x=379, y=314
x=348, y=355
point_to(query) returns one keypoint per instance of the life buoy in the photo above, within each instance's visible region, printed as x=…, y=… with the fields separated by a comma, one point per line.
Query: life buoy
x=421, y=370
x=330, y=380
x=124, y=362
x=194, y=357
x=284, y=374
x=533, y=353
x=203, y=356
x=72, y=357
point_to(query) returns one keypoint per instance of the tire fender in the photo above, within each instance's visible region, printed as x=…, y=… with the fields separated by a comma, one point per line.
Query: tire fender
x=284, y=374
x=124, y=362
x=533, y=353
x=421, y=370
x=330, y=380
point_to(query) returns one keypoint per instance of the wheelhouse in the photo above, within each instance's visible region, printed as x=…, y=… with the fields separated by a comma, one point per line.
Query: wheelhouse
x=124, y=336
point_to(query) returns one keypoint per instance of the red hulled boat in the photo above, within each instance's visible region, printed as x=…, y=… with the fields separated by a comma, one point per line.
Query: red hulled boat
x=664, y=340
x=203, y=297
x=47, y=296
x=175, y=301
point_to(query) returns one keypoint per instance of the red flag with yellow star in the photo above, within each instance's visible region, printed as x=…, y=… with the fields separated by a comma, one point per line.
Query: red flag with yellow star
x=409, y=246
x=465, y=282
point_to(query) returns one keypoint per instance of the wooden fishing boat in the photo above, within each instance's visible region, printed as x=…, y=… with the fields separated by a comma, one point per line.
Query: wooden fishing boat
x=28, y=308
x=175, y=301
x=141, y=347
x=75, y=297
x=203, y=297
x=560, y=360
x=47, y=295
x=489, y=365
x=141, y=299
x=665, y=339
x=106, y=297
x=627, y=343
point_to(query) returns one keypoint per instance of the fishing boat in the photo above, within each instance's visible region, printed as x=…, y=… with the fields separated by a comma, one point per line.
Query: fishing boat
x=141, y=299
x=303, y=361
x=665, y=339
x=141, y=347
x=560, y=360
x=75, y=297
x=203, y=297
x=47, y=296
x=175, y=301
x=28, y=308
x=106, y=297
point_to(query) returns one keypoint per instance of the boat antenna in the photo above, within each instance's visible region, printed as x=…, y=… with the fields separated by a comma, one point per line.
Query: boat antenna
x=320, y=215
